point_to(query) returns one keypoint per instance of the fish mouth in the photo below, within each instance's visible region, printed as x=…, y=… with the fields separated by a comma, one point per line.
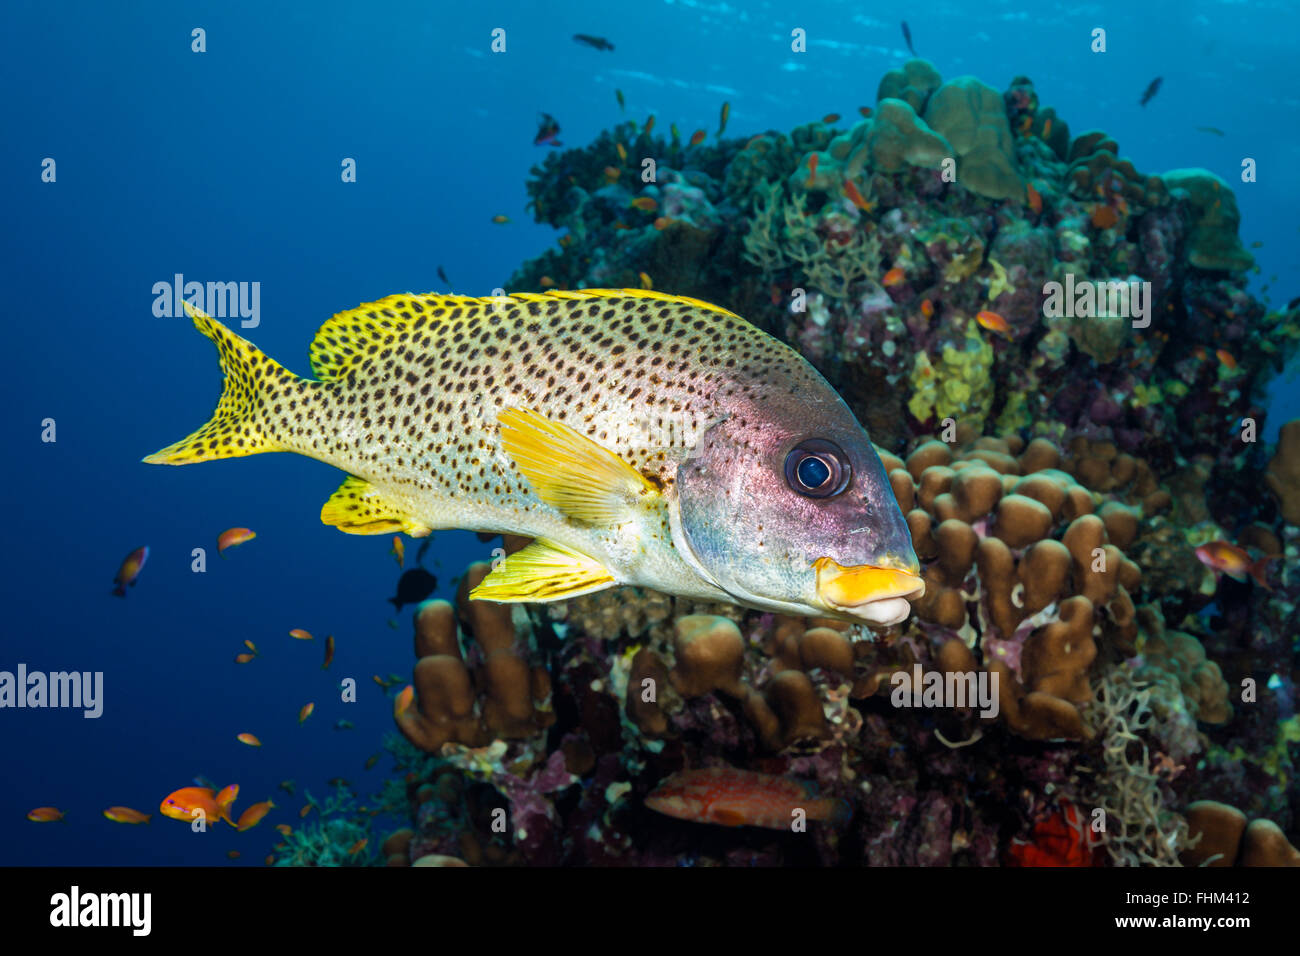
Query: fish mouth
x=876, y=594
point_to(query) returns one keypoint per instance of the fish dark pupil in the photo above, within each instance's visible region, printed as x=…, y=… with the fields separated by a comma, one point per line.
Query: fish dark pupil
x=813, y=472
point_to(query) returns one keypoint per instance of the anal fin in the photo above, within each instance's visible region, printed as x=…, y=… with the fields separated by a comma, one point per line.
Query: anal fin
x=543, y=571
x=356, y=508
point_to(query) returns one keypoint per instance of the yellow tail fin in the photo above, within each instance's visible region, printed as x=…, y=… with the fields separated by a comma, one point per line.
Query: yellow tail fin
x=240, y=425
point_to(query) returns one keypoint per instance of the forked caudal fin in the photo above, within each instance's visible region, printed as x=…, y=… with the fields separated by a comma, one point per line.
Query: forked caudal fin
x=240, y=425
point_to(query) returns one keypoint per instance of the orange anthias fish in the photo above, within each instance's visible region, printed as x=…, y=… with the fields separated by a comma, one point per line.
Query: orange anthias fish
x=663, y=222
x=402, y=703
x=993, y=322
x=831, y=118
x=250, y=645
x=306, y=710
x=646, y=281
x=697, y=137
x=299, y=634
x=723, y=117
x=866, y=111
x=1104, y=217
x=612, y=173
x=249, y=739
x=226, y=799
x=622, y=153
x=500, y=220
x=855, y=196
x=894, y=276
x=129, y=570
x=1034, y=198
x=812, y=170
x=127, y=815
x=738, y=798
x=45, y=815
x=399, y=550
x=329, y=651
x=284, y=829
x=182, y=804
x=1226, y=358
x=233, y=536
x=1233, y=561
x=244, y=658
x=253, y=815
x=357, y=847
x=927, y=308
x=649, y=124
x=546, y=282
x=644, y=203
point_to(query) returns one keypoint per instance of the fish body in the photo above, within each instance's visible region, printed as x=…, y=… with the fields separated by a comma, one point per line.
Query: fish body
x=697, y=137
x=639, y=438
x=253, y=815
x=735, y=798
x=1235, y=562
x=907, y=35
x=1152, y=89
x=413, y=587
x=548, y=131
x=181, y=804
x=305, y=711
x=249, y=739
x=812, y=170
x=500, y=219
x=993, y=322
x=232, y=537
x=126, y=815
x=1034, y=198
x=596, y=43
x=723, y=116
x=45, y=815
x=618, y=95
x=129, y=570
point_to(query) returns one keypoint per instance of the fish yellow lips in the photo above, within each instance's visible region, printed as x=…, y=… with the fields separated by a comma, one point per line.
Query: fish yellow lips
x=853, y=588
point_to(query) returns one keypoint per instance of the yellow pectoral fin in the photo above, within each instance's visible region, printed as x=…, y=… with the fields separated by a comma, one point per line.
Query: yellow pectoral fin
x=543, y=571
x=356, y=508
x=571, y=472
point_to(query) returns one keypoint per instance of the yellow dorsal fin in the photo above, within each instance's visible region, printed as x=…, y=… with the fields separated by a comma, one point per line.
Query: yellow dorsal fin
x=352, y=338
x=570, y=471
x=543, y=571
x=356, y=508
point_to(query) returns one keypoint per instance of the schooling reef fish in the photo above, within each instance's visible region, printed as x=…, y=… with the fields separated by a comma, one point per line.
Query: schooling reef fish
x=1152, y=89
x=596, y=43
x=547, y=130
x=129, y=570
x=413, y=587
x=907, y=35
x=639, y=438
x=738, y=798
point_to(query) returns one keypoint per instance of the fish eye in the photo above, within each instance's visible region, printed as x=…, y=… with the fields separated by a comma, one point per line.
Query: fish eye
x=817, y=468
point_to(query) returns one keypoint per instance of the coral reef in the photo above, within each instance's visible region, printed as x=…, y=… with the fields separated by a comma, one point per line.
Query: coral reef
x=1064, y=373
